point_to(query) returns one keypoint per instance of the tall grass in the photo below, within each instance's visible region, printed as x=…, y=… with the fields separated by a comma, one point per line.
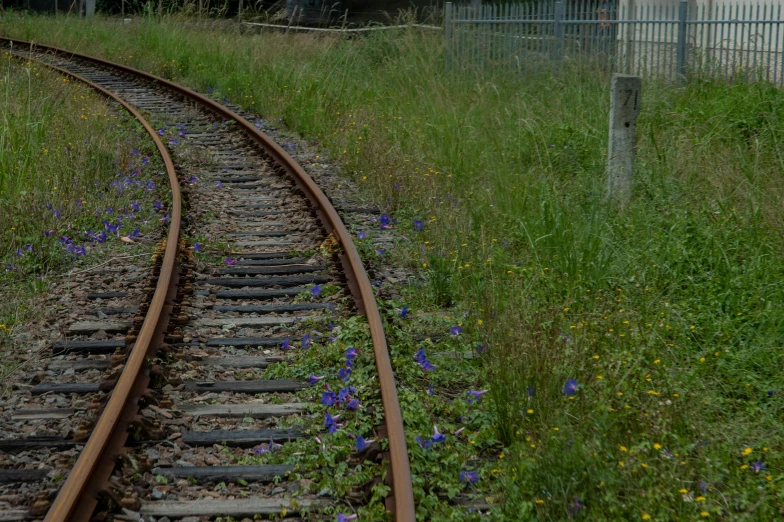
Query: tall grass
x=69, y=163
x=668, y=313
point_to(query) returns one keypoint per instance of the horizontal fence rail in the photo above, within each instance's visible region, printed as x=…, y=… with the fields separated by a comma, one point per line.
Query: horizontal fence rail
x=672, y=40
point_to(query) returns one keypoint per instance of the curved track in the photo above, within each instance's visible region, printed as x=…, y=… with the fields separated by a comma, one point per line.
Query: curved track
x=268, y=209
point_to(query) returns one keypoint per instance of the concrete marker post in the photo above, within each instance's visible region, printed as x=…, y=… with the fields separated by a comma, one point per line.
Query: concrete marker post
x=624, y=109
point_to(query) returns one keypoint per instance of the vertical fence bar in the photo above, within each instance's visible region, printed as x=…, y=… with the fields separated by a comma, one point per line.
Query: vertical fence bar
x=635, y=29
x=581, y=29
x=712, y=12
x=746, y=40
x=735, y=42
x=725, y=47
x=558, y=33
x=660, y=44
x=767, y=33
x=648, y=40
x=755, y=73
x=778, y=49
x=683, y=12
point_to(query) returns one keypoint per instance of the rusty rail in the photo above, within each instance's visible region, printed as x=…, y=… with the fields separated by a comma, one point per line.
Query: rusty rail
x=359, y=284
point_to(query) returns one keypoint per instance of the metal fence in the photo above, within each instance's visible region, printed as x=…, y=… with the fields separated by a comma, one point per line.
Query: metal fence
x=674, y=40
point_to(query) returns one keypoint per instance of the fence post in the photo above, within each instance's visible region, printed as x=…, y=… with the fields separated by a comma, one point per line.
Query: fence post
x=558, y=33
x=447, y=36
x=683, y=13
x=624, y=108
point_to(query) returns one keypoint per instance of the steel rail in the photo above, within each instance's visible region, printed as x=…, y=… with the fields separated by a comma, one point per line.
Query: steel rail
x=72, y=494
x=359, y=284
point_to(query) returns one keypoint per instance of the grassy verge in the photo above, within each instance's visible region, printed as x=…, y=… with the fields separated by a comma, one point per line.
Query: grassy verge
x=633, y=357
x=75, y=177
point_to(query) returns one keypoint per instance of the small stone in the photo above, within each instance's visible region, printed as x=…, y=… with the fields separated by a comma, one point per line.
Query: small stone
x=325, y=492
x=153, y=453
x=157, y=494
x=278, y=490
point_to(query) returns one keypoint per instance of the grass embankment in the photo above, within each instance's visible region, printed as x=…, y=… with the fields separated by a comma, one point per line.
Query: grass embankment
x=667, y=314
x=75, y=175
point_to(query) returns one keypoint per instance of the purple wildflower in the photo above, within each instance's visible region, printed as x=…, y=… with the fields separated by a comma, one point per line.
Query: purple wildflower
x=196, y=247
x=570, y=387
x=437, y=436
x=229, y=261
x=574, y=508
x=469, y=476
x=757, y=466
x=475, y=395
x=344, y=373
x=346, y=518
x=362, y=443
x=456, y=330
x=419, y=224
x=306, y=342
x=531, y=391
x=286, y=345
x=404, y=311
x=312, y=379
x=165, y=219
x=161, y=131
x=352, y=405
x=424, y=443
x=315, y=291
x=219, y=185
x=328, y=398
x=345, y=393
x=157, y=205
x=361, y=235
x=380, y=252
x=351, y=353
x=329, y=422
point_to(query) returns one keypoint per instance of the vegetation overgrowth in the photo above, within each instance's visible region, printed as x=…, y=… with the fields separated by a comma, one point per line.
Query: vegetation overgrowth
x=632, y=356
x=76, y=174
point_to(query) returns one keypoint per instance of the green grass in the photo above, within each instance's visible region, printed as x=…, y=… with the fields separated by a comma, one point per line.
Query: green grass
x=668, y=312
x=68, y=162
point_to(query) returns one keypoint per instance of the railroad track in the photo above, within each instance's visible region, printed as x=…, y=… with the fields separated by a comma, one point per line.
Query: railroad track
x=191, y=331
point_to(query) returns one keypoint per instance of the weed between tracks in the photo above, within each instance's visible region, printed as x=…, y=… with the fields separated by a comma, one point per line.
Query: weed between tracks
x=633, y=358
x=76, y=174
